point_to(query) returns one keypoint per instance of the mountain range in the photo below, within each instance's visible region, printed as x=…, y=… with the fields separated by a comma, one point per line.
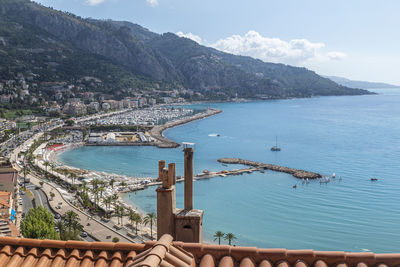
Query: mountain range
x=360, y=84
x=59, y=46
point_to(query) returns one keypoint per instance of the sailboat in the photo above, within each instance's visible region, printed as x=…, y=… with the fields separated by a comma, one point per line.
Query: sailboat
x=275, y=147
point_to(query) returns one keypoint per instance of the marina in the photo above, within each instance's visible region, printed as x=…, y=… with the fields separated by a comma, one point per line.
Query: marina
x=252, y=199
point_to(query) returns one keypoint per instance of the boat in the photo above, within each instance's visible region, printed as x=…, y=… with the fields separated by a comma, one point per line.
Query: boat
x=324, y=180
x=276, y=147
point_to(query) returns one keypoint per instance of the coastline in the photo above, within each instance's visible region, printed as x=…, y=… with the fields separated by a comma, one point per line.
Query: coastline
x=163, y=142
x=133, y=183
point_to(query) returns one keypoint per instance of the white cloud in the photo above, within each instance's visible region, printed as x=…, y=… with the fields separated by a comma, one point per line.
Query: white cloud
x=294, y=52
x=190, y=35
x=94, y=2
x=153, y=3
x=336, y=55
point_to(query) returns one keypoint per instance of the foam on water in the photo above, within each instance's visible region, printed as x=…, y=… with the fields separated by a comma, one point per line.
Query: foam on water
x=355, y=137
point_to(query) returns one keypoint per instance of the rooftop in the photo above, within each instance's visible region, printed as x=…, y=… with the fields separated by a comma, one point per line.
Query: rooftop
x=165, y=252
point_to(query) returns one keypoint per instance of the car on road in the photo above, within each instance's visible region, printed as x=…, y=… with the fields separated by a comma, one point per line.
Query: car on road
x=84, y=234
x=57, y=216
x=23, y=214
x=22, y=193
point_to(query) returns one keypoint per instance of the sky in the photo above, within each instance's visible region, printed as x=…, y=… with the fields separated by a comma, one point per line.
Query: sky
x=355, y=39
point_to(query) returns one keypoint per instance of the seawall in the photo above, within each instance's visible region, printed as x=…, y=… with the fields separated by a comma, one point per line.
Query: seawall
x=301, y=174
x=163, y=142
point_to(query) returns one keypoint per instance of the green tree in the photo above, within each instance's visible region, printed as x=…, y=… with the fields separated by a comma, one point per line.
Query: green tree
x=230, y=237
x=70, y=122
x=39, y=224
x=46, y=164
x=25, y=171
x=115, y=239
x=112, y=181
x=73, y=177
x=218, y=235
x=150, y=219
x=73, y=228
x=137, y=219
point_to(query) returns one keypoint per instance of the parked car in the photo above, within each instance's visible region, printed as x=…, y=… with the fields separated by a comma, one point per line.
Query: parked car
x=84, y=234
x=57, y=216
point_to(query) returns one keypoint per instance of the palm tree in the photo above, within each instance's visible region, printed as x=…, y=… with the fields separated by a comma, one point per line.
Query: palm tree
x=46, y=164
x=101, y=190
x=117, y=211
x=95, y=192
x=83, y=187
x=131, y=215
x=218, y=235
x=107, y=201
x=73, y=177
x=137, y=219
x=60, y=226
x=150, y=218
x=25, y=171
x=112, y=181
x=115, y=197
x=70, y=217
x=230, y=237
x=121, y=213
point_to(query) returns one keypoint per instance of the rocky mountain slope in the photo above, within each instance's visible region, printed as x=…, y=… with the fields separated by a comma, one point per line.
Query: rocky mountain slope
x=59, y=44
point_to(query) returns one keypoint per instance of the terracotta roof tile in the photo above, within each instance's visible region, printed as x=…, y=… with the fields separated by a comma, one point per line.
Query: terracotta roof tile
x=163, y=253
x=166, y=253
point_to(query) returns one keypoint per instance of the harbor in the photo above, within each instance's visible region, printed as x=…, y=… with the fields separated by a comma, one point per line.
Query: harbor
x=163, y=142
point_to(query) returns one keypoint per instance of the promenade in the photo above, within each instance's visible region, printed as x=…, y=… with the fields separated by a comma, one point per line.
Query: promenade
x=99, y=230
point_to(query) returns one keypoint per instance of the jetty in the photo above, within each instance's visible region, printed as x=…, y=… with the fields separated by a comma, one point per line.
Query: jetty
x=301, y=174
x=163, y=142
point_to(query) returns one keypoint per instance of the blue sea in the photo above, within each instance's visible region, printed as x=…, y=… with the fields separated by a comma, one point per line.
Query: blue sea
x=356, y=137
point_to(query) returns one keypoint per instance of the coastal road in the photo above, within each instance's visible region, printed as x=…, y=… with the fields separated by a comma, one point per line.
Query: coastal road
x=40, y=200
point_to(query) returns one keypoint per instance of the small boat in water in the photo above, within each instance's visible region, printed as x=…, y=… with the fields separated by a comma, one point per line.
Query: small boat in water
x=276, y=147
x=324, y=180
x=374, y=179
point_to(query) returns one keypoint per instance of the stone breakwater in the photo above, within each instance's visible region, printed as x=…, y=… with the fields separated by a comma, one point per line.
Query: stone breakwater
x=301, y=174
x=163, y=142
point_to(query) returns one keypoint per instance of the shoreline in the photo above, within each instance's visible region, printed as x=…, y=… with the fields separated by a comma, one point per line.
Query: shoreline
x=134, y=183
x=157, y=131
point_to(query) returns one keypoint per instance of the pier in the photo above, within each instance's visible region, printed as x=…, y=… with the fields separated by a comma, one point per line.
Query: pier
x=301, y=174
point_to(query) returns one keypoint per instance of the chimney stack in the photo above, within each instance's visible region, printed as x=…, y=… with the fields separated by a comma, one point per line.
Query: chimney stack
x=188, y=176
x=161, y=166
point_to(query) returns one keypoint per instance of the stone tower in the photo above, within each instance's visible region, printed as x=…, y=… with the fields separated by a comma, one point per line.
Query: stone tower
x=183, y=224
